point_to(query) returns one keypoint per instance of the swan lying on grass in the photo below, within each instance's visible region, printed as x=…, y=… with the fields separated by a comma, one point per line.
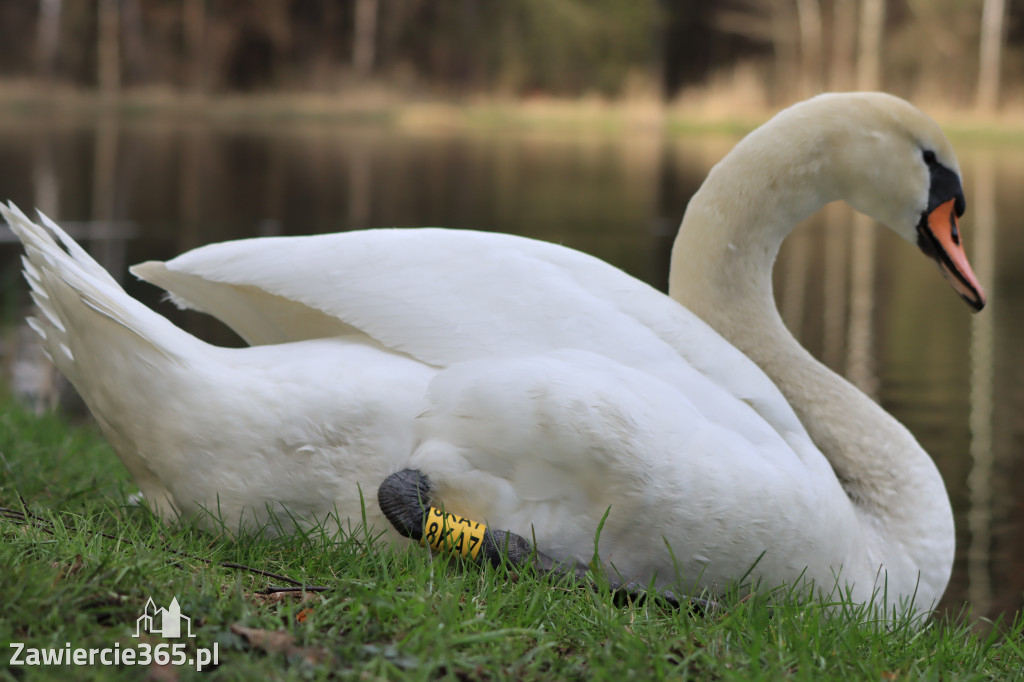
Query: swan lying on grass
x=538, y=387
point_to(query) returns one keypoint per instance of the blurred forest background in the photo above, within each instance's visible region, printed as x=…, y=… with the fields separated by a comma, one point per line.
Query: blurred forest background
x=967, y=54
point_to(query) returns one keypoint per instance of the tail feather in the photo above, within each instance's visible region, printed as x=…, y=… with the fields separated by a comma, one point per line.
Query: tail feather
x=75, y=251
x=31, y=273
x=111, y=347
x=67, y=285
x=37, y=239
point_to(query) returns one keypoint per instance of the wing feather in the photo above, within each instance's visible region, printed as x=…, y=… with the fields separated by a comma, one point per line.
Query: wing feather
x=452, y=296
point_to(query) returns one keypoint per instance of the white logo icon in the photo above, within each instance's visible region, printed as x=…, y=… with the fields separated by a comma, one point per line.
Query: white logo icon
x=161, y=621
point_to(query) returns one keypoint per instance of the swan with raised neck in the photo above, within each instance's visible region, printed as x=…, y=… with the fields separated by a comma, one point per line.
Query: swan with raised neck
x=538, y=387
x=891, y=162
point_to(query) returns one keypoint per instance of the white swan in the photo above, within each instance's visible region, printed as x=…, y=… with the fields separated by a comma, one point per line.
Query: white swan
x=539, y=387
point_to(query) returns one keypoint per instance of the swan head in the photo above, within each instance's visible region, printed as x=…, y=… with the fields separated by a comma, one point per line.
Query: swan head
x=894, y=164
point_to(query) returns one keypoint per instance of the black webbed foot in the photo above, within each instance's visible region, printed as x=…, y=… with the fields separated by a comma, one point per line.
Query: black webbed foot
x=405, y=499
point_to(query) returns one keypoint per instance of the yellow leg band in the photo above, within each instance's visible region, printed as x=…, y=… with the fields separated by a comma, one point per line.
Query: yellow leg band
x=453, y=533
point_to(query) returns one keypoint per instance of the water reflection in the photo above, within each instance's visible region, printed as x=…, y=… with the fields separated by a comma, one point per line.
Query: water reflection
x=867, y=304
x=982, y=406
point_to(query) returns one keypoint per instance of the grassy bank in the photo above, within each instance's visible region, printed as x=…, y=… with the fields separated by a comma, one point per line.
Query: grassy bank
x=79, y=566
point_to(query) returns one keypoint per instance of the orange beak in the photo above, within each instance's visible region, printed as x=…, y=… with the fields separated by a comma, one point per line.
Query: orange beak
x=938, y=235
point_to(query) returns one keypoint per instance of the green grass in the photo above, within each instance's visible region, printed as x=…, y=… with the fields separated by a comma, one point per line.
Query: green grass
x=77, y=565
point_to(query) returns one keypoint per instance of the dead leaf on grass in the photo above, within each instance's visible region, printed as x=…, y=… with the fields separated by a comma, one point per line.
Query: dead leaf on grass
x=68, y=570
x=280, y=642
x=271, y=641
x=162, y=673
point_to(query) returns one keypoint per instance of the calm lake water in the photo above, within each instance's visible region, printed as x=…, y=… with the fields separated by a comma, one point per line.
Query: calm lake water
x=871, y=306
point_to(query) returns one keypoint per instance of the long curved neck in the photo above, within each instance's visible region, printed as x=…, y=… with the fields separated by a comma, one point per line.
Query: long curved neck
x=721, y=270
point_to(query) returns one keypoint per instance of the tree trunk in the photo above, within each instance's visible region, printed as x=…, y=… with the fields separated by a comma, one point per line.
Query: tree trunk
x=869, y=57
x=194, y=20
x=786, y=46
x=861, y=367
x=364, y=39
x=981, y=480
x=108, y=47
x=844, y=45
x=992, y=18
x=838, y=224
x=136, y=53
x=808, y=14
x=47, y=38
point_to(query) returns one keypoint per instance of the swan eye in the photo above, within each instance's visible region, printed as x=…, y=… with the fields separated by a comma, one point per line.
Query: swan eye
x=929, y=157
